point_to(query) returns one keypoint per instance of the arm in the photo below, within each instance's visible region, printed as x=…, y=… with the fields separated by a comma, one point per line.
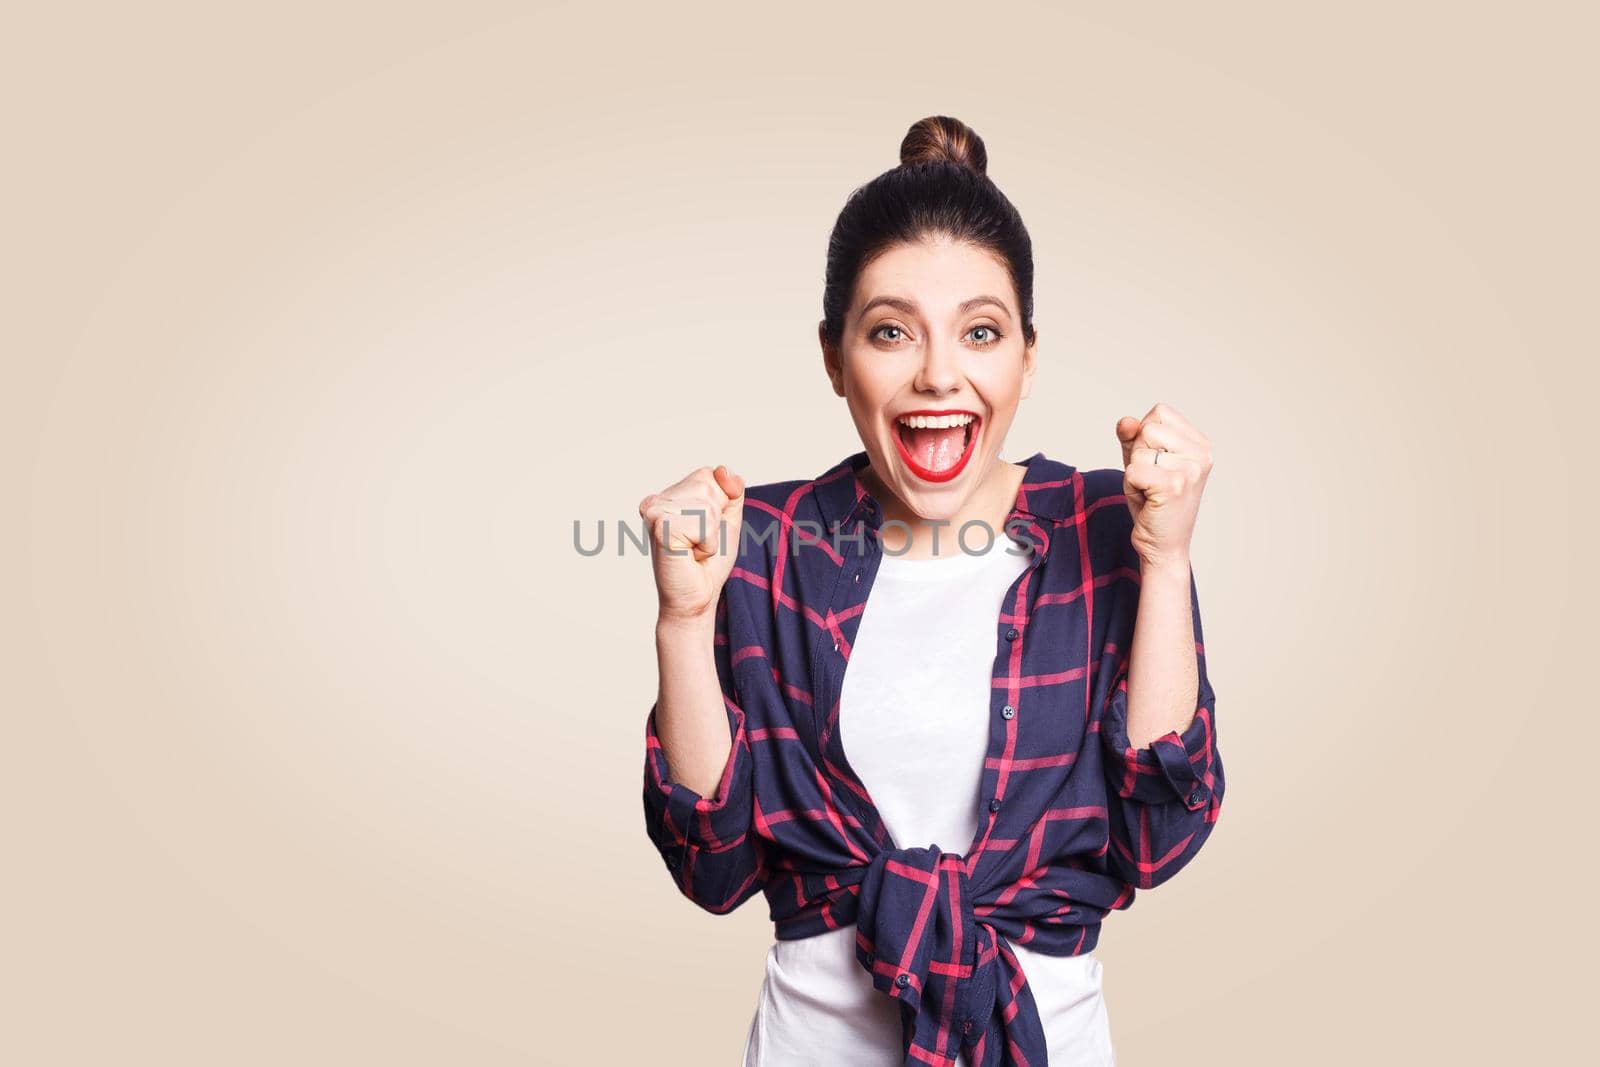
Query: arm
x=700, y=820
x=1163, y=667
x=1158, y=727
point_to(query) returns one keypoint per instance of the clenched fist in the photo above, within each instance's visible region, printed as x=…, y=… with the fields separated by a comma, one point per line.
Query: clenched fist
x=1165, y=463
x=695, y=526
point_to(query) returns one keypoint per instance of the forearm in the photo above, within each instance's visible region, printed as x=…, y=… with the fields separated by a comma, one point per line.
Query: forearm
x=691, y=719
x=1163, y=675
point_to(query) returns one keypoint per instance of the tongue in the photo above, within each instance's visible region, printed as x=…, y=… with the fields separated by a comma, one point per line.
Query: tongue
x=935, y=450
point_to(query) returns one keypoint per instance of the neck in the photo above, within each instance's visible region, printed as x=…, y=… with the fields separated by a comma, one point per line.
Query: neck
x=990, y=503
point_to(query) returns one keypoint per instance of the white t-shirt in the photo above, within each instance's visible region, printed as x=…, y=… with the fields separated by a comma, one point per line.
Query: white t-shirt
x=913, y=720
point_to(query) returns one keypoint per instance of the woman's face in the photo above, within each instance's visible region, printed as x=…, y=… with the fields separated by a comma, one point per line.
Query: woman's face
x=933, y=331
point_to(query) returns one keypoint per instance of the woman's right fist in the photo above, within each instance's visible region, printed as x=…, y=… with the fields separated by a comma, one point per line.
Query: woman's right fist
x=694, y=540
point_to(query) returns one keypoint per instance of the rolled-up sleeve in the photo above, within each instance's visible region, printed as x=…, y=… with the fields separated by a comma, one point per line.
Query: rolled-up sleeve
x=708, y=843
x=1165, y=797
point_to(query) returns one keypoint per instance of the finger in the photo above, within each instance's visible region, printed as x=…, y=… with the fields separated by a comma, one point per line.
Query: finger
x=694, y=496
x=706, y=477
x=730, y=483
x=1164, y=436
x=697, y=483
x=1168, y=415
x=1127, y=433
x=664, y=529
x=694, y=521
x=1189, y=438
x=1151, y=434
x=668, y=520
x=1149, y=477
x=1166, y=460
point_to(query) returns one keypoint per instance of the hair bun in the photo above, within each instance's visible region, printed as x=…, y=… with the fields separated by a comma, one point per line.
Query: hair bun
x=940, y=137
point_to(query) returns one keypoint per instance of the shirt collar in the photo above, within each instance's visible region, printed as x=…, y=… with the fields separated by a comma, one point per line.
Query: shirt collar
x=1049, y=490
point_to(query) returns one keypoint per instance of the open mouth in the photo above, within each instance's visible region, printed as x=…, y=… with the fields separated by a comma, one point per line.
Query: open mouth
x=936, y=444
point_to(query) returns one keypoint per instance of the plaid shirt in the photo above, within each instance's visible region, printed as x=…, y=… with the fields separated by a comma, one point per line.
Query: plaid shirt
x=1072, y=817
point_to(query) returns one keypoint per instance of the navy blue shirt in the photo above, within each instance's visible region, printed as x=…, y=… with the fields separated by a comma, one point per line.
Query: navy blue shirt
x=1072, y=818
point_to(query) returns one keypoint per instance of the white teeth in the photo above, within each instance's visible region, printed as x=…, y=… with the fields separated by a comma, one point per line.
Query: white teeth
x=935, y=422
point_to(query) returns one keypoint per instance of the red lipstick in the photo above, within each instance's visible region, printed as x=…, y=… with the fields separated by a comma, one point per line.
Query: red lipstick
x=954, y=469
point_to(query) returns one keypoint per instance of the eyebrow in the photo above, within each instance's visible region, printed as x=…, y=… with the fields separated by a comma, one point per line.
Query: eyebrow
x=909, y=307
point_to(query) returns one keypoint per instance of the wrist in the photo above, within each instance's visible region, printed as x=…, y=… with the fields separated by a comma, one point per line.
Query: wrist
x=1164, y=567
x=687, y=627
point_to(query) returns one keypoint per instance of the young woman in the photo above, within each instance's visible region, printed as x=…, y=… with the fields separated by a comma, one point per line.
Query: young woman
x=1031, y=734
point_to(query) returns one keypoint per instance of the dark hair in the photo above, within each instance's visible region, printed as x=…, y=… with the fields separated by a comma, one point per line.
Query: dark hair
x=940, y=187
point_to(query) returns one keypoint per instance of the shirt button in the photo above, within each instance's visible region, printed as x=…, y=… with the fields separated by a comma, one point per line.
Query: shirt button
x=672, y=860
x=870, y=958
x=903, y=980
x=1007, y=712
x=858, y=577
x=966, y=1026
x=1011, y=634
x=836, y=646
x=994, y=805
x=1194, y=798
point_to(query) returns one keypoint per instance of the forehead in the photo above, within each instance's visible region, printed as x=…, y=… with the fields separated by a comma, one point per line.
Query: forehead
x=938, y=275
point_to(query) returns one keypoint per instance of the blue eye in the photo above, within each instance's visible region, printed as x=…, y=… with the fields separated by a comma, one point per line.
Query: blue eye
x=993, y=338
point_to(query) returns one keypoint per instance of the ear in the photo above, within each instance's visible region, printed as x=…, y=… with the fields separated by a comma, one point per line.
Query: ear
x=1029, y=358
x=831, y=361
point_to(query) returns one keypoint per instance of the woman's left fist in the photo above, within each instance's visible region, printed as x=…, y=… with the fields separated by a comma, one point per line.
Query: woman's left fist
x=1165, y=463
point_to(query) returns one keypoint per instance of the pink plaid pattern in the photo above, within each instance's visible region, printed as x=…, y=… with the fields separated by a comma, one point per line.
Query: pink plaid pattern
x=1073, y=818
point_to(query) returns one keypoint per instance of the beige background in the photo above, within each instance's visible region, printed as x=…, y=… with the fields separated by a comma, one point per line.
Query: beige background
x=324, y=322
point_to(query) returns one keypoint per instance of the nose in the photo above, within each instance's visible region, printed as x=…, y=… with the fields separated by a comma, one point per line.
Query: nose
x=940, y=372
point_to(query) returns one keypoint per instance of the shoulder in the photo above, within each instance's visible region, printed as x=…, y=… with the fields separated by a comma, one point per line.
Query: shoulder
x=770, y=505
x=1106, y=518
x=1101, y=482
x=1102, y=487
x=770, y=510
x=1068, y=494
